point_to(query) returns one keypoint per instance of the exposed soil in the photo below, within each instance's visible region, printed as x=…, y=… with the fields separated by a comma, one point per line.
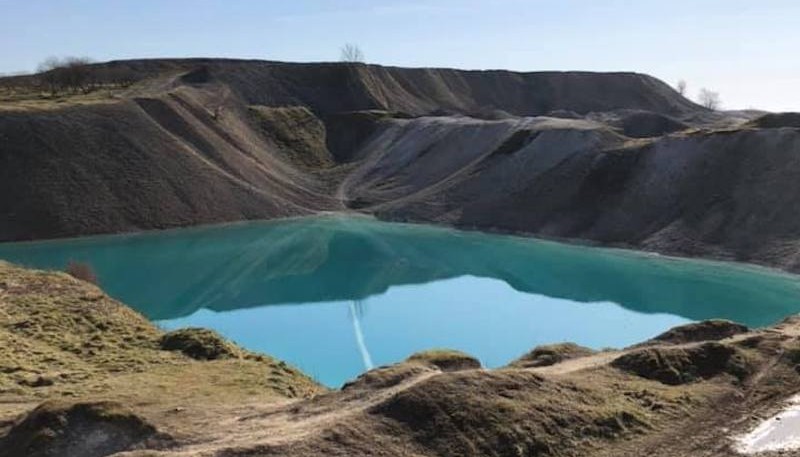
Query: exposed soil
x=57, y=428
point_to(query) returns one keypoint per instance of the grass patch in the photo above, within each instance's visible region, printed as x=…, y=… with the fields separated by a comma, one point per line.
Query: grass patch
x=550, y=354
x=199, y=343
x=446, y=359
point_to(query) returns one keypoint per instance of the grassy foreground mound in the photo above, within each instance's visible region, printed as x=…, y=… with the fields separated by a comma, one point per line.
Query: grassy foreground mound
x=62, y=336
x=82, y=375
x=63, y=339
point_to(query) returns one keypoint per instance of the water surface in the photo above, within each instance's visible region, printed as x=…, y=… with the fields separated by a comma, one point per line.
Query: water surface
x=336, y=295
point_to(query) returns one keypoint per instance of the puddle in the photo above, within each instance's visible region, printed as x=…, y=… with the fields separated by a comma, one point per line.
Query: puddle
x=780, y=432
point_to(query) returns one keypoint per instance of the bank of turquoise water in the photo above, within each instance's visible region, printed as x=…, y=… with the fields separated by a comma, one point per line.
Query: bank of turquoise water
x=337, y=295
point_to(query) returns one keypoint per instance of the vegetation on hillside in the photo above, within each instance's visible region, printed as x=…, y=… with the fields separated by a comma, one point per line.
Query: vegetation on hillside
x=73, y=80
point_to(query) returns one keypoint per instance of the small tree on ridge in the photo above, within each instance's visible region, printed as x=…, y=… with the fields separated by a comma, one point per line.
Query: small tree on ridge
x=681, y=87
x=709, y=99
x=351, y=53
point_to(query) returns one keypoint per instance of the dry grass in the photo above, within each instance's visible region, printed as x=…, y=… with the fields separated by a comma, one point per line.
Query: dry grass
x=297, y=132
x=28, y=99
x=550, y=354
x=445, y=359
x=60, y=337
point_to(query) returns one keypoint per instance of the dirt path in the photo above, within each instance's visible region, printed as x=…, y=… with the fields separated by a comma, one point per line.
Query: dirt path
x=606, y=357
x=292, y=421
x=579, y=364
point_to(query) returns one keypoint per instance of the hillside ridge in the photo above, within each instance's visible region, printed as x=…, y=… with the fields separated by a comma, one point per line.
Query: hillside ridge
x=610, y=158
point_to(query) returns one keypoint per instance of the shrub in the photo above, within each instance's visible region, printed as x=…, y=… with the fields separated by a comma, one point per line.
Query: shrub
x=82, y=271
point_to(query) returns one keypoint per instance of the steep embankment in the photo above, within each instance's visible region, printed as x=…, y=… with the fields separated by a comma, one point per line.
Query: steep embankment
x=189, y=156
x=81, y=375
x=622, y=159
x=725, y=194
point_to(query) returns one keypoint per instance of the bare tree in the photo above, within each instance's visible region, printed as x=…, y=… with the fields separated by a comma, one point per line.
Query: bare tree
x=681, y=87
x=351, y=53
x=709, y=99
x=69, y=73
x=79, y=76
x=49, y=71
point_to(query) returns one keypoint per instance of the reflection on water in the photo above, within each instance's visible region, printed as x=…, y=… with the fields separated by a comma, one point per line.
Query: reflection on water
x=356, y=310
x=354, y=291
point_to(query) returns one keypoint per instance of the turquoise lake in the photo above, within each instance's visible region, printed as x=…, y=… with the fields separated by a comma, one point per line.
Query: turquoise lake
x=337, y=295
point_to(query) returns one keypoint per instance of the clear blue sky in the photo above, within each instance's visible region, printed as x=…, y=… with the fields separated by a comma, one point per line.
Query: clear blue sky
x=749, y=51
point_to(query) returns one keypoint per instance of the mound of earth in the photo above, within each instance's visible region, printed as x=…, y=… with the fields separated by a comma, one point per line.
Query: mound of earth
x=199, y=343
x=676, y=366
x=776, y=120
x=550, y=354
x=389, y=376
x=59, y=429
x=709, y=330
x=446, y=360
x=506, y=414
x=64, y=337
x=648, y=125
